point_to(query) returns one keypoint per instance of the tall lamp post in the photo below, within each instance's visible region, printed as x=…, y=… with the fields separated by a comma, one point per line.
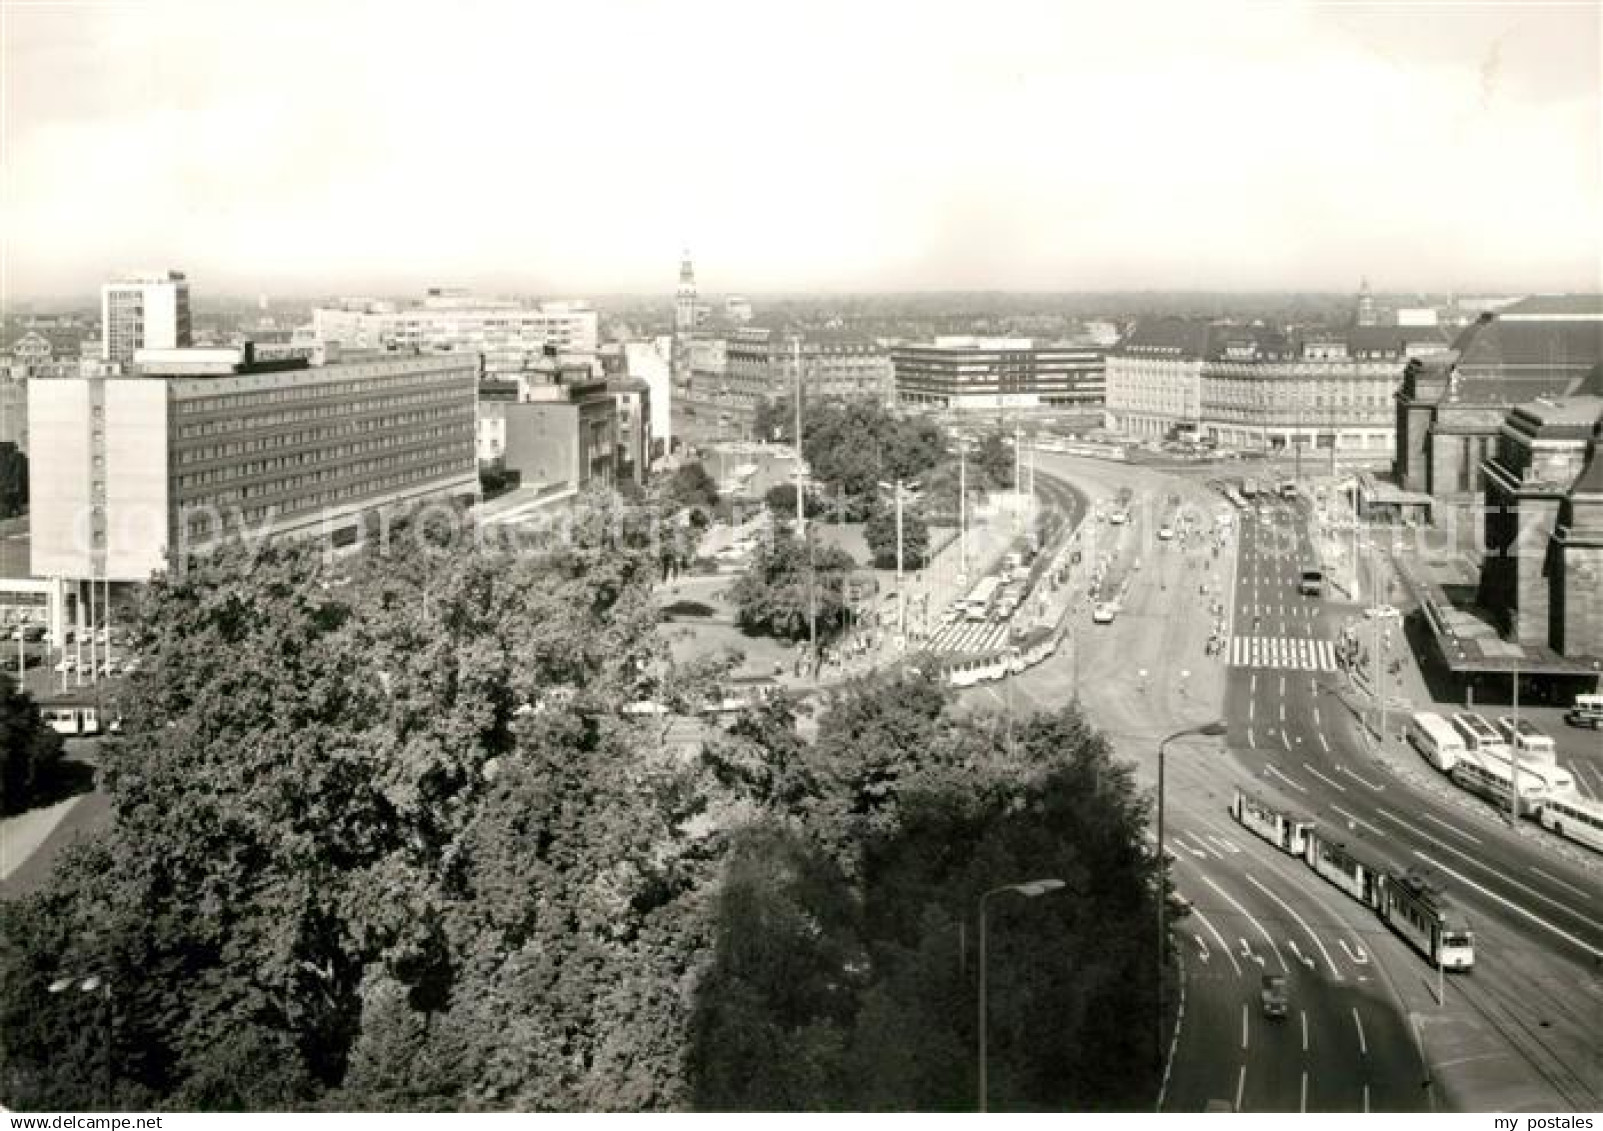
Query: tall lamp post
x=1029, y=890
x=95, y=984
x=1214, y=729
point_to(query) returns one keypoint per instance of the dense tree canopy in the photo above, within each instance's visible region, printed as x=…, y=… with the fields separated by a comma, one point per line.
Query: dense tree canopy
x=853, y=446
x=29, y=750
x=880, y=532
x=383, y=840
x=790, y=581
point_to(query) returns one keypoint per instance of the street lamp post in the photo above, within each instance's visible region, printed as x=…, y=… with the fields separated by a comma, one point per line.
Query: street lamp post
x=95, y=984
x=1211, y=730
x=1028, y=890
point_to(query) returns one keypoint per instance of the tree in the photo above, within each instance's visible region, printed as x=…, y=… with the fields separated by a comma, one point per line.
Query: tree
x=29, y=750
x=781, y=500
x=691, y=487
x=13, y=481
x=773, y=422
x=782, y=590
x=995, y=462
x=881, y=535
x=853, y=446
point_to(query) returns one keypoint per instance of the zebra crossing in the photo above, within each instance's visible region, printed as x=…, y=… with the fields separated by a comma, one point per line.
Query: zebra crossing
x=1289, y=653
x=968, y=636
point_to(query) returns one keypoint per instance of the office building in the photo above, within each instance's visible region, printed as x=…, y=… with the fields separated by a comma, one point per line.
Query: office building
x=631, y=399
x=652, y=362
x=970, y=373
x=201, y=444
x=1154, y=378
x=508, y=336
x=143, y=310
x=762, y=364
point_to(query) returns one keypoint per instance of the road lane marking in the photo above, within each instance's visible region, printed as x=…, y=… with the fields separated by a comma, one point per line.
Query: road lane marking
x=1223, y=842
x=1358, y=957
x=1220, y=939
x=1205, y=846
x=1249, y=917
x=1323, y=743
x=1301, y=922
x=1363, y=1046
x=1560, y=883
x=1241, y=1083
x=1451, y=828
x=1304, y=1015
x=1328, y=781
x=1252, y=709
x=1294, y=784
x=1176, y=842
x=1503, y=875
x=1303, y=1102
x=1251, y=745
x=1282, y=710
x=1282, y=692
x=1370, y=784
x=1243, y=1026
x=1366, y=1099
x=1540, y=922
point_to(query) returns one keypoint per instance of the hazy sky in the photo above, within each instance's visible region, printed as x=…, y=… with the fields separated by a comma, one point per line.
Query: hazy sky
x=854, y=145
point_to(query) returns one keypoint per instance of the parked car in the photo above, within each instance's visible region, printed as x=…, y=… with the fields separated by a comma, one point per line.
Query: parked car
x=1104, y=613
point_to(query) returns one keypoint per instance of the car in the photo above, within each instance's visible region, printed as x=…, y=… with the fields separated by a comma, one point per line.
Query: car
x=1382, y=612
x=67, y=665
x=1104, y=613
x=1165, y=533
x=1273, y=996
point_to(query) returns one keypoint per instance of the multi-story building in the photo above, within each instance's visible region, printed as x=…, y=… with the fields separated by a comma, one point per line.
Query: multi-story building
x=1154, y=377
x=761, y=363
x=1543, y=559
x=969, y=373
x=551, y=434
x=508, y=336
x=631, y=398
x=203, y=444
x=14, y=410
x=652, y=362
x=1449, y=409
x=143, y=310
x=1326, y=393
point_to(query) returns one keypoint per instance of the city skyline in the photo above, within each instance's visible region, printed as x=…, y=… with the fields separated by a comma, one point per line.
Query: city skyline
x=1233, y=147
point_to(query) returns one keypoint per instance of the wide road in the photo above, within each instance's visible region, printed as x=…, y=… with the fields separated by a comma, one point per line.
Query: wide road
x=1535, y=909
x=1516, y=1034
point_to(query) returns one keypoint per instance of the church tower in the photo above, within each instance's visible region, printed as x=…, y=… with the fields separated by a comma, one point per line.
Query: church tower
x=684, y=301
x=1366, y=304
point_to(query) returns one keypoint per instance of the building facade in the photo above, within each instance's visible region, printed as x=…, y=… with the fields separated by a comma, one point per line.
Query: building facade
x=205, y=444
x=969, y=373
x=508, y=336
x=631, y=398
x=763, y=364
x=143, y=310
x=1154, y=377
x=1543, y=561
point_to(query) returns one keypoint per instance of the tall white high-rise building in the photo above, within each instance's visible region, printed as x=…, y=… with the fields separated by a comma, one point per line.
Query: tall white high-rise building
x=143, y=310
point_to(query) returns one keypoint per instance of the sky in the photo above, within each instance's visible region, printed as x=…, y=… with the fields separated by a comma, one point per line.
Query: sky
x=835, y=145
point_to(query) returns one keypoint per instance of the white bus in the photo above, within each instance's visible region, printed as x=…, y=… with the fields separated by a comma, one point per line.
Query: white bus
x=1575, y=818
x=977, y=605
x=1437, y=739
x=1479, y=735
x=1527, y=740
x=1488, y=775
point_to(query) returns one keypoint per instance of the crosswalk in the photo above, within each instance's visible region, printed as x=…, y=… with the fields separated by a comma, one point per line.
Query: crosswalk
x=968, y=636
x=1289, y=653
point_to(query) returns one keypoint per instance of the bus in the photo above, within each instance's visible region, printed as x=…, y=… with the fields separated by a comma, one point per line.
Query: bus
x=1249, y=488
x=1436, y=739
x=977, y=605
x=1479, y=735
x=1311, y=581
x=1573, y=817
x=1489, y=774
x=1527, y=740
x=69, y=717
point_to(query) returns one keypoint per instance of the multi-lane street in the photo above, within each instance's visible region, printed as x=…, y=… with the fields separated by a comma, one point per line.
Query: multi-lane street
x=1364, y=1028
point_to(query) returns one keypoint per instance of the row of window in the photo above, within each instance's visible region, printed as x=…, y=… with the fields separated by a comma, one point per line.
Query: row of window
x=452, y=398
x=307, y=391
x=202, y=527
x=292, y=483
x=317, y=437
x=322, y=455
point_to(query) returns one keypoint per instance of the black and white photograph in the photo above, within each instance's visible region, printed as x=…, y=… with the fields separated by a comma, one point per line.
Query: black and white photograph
x=864, y=557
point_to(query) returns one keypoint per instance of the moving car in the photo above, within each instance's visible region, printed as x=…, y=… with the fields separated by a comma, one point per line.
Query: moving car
x=1586, y=711
x=1104, y=613
x=1165, y=533
x=1273, y=995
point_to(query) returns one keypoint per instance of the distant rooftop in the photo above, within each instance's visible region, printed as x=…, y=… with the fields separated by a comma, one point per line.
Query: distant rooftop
x=1585, y=306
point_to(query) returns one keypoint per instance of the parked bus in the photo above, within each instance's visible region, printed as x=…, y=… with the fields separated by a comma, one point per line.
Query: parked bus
x=1527, y=741
x=977, y=605
x=1574, y=817
x=1586, y=711
x=1488, y=774
x=1437, y=739
x=1311, y=581
x=1479, y=735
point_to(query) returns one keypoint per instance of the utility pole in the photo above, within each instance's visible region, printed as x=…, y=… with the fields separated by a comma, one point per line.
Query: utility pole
x=801, y=517
x=1514, y=754
x=962, y=503
x=901, y=589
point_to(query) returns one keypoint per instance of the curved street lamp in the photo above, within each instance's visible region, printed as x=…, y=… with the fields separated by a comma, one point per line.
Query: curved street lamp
x=1029, y=890
x=1215, y=729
